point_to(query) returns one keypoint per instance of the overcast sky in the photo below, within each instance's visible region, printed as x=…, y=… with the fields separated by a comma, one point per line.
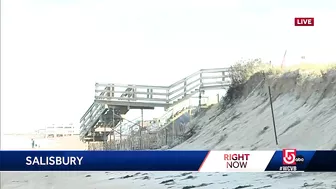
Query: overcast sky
x=53, y=51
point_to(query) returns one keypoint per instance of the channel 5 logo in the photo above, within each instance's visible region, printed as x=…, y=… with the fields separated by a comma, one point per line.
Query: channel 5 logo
x=289, y=157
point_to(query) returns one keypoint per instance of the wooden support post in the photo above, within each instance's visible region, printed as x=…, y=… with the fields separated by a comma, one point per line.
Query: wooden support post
x=114, y=140
x=110, y=138
x=134, y=91
x=167, y=97
x=105, y=137
x=272, y=111
x=185, y=88
x=120, y=137
x=113, y=129
x=108, y=94
x=140, y=129
x=166, y=135
x=200, y=92
x=190, y=113
x=173, y=124
x=200, y=98
x=112, y=91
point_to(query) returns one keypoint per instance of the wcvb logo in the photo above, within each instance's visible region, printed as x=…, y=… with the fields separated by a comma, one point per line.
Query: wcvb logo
x=288, y=156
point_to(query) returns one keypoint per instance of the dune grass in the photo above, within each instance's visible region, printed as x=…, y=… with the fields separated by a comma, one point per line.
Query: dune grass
x=242, y=71
x=311, y=68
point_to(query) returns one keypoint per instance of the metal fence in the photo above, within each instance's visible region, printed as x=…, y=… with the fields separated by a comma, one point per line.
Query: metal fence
x=168, y=135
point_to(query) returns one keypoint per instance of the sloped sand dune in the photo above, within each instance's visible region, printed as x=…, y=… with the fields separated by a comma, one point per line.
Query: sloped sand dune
x=305, y=115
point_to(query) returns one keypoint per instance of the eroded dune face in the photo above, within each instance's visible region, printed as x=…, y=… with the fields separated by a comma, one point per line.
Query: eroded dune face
x=304, y=109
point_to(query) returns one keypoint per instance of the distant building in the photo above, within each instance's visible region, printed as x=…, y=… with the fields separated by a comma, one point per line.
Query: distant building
x=60, y=130
x=41, y=131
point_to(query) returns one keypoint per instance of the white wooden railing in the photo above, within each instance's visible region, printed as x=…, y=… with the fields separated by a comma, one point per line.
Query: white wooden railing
x=164, y=95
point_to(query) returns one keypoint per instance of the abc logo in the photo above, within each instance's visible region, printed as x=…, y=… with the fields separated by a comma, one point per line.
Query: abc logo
x=299, y=159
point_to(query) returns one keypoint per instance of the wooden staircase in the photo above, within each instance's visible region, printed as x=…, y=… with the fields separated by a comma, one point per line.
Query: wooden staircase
x=124, y=97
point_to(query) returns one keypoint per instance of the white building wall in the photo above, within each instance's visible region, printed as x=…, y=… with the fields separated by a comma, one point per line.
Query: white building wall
x=61, y=129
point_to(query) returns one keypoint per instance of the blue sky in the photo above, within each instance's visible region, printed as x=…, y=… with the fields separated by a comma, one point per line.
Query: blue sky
x=53, y=52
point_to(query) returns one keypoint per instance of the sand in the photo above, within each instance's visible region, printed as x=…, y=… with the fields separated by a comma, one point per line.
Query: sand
x=23, y=142
x=305, y=116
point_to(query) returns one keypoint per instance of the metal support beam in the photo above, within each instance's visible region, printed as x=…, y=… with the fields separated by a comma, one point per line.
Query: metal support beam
x=275, y=133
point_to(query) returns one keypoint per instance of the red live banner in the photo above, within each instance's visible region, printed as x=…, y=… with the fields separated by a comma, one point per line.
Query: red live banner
x=304, y=21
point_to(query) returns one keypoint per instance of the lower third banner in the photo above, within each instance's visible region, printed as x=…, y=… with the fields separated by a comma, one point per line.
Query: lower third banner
x=203, y=161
